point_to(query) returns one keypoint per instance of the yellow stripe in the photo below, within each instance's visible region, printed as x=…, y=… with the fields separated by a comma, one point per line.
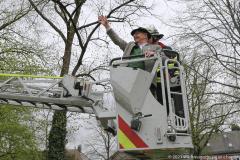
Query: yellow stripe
x=158, y=69
x=124, y=141
x=28, y=76
x=158, y=79
x=176, y=73
x=170, y=65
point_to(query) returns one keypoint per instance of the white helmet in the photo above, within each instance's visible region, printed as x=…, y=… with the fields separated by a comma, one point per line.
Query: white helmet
x=154, y=32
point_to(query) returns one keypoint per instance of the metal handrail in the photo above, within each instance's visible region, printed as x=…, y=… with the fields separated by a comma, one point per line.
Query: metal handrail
x=172, y=115
x=125, y=57
x=166, y=51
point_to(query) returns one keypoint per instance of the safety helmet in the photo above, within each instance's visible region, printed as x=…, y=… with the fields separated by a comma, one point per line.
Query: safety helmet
x=141, y=29
x=154, y=32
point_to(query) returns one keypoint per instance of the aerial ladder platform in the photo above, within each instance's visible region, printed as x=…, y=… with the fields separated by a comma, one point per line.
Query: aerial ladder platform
x=143, y=125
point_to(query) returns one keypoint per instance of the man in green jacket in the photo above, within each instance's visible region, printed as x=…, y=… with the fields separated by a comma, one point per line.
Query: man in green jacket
x=140, y=45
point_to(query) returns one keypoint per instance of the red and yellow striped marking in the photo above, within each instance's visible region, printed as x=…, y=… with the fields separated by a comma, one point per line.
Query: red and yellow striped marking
x=127, y=138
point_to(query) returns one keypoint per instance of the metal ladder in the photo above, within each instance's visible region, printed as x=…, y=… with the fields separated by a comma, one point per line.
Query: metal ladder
x=66, y=93
x=42, y=92
x=179, y=123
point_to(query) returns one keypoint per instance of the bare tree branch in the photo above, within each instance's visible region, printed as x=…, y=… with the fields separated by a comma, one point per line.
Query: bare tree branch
x=48, y=21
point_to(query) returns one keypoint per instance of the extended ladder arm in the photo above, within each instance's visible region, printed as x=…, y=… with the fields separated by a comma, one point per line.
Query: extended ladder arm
x=67, y=93
x=44, y=92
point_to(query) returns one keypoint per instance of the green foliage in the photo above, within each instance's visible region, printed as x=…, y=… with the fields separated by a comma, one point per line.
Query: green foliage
x=21, y=57
x=16, y=138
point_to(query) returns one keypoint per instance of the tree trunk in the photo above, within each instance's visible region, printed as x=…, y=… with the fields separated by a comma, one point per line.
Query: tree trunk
x=57, y=135
x=67, y=57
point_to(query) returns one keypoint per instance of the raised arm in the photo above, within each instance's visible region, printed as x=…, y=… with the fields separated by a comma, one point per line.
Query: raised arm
x=110, y=32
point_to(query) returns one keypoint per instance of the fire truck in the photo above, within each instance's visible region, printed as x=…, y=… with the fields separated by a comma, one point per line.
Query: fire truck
x=144, y=126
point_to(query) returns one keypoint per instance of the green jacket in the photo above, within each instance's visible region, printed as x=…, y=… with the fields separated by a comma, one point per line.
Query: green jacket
x=127, y=47
x=136, y=51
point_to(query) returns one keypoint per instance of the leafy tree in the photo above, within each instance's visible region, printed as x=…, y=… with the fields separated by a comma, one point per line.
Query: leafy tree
x=11, y=12
x=19, y=53
x=208, y=34
x=17, y=141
